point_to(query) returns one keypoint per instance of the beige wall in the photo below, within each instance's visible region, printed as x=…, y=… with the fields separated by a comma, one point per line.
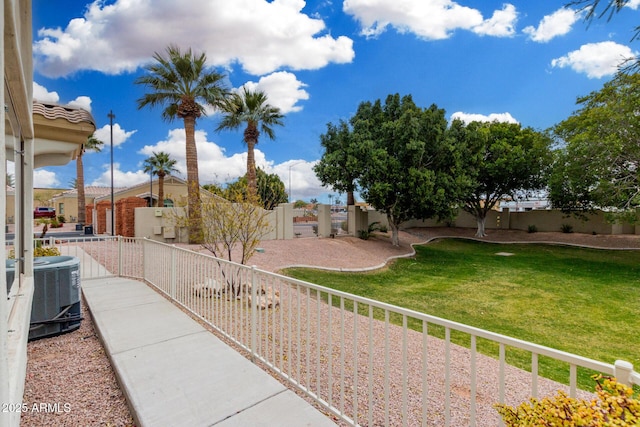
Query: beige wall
x=543, y=220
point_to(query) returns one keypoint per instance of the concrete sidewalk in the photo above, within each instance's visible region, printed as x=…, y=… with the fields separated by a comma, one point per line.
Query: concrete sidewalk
x=176, y=373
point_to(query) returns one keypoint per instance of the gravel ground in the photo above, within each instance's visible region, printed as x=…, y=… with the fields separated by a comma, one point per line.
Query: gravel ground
x=73, y=369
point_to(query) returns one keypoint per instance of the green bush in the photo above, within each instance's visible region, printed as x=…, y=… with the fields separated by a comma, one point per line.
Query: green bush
x=61, y=219
x=566, y=228
x=615, y=405
x=532, y=229
x=365, y=234
x=39, y=250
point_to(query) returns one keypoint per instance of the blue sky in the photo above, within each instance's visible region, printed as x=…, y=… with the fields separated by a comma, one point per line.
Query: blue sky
x=524, y=61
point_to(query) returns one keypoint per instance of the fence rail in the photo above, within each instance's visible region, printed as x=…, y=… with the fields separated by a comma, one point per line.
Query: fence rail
x=367, y=362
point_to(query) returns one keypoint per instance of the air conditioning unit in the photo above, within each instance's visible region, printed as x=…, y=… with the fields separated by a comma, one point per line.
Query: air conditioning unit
x=56, y=307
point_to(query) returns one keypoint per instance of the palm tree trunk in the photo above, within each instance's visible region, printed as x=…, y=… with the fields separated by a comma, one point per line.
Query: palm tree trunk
x=252, y=180
x=193, y=182
x=161, y=189
x=82, y=213
x=350, y=198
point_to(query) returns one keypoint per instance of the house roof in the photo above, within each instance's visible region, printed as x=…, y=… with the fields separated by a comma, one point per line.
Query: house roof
x=91, y=191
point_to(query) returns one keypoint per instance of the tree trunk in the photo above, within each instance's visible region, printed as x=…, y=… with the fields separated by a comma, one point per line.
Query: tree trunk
x=395, y=239
x=161, y=189
x=252, y=181
x=193, y=182
x=480, y=220
x=350, y=199
x=82, y=213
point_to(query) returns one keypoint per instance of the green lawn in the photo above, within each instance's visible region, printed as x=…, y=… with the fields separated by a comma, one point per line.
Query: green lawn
x=582, y=301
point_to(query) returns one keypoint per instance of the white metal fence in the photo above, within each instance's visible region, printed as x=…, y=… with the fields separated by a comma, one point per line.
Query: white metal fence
x=368, y=362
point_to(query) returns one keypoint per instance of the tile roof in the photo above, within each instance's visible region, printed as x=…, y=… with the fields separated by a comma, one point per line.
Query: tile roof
x=53, y=111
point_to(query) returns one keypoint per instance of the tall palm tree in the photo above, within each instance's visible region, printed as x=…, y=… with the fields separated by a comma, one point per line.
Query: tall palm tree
x=182, y=85
x=252, y=108
x=92, y=144
x=161, y=165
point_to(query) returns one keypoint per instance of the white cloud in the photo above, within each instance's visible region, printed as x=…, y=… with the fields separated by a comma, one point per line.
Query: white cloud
x=304, y=183
x=283, y=90
x=43, y=178
x=120, y=178
x=501, y=24
x=215, y=166
x=120, y=136
x=40, y=93
x=261, y=36
x=596, y=60
x=83, y=102
x=428, y=19
x=557, y=24
x=633, y=4
x=493, y=117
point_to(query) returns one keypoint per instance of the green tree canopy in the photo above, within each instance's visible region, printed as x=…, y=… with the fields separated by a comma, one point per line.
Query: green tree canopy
x=339, y=165
x=409, y=170
x=598, y=164
x=501, y=159
x=271, y=190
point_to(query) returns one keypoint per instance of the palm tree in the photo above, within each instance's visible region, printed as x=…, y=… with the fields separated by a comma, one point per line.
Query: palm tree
x=92, y=144
x=250, y=107
x=161, y=165
x=181, y=84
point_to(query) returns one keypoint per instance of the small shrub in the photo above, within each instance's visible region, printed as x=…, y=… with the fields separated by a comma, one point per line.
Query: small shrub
x=364, y=234
x=383, y=229
x=61, y=219
x=46, y=251
x=566, y=228
x=532, y=229
x=615, y=405
x=39, y=250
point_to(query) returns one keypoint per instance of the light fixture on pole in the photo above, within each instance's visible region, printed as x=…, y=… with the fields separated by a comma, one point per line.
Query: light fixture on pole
x=111, y=117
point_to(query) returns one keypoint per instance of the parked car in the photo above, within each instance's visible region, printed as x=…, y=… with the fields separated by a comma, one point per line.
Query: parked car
x=44, y=213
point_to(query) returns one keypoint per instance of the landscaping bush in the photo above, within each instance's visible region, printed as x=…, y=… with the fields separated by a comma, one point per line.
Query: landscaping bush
x=365, y=234
x=615, y=405
x=566, y=228
x=39, y=250
x=61, y=219
x=532, y=229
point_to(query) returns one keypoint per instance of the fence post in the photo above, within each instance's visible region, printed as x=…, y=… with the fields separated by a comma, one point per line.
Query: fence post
x=119, y=256
x=254, y=314
x=173, y=274
x=144, y=258
x=622, y=371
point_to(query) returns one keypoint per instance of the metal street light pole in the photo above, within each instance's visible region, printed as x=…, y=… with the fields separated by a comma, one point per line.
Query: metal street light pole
x=111, y=117
x=290, y=166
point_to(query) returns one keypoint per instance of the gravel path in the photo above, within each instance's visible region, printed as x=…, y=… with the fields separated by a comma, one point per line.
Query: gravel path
x=73, y=368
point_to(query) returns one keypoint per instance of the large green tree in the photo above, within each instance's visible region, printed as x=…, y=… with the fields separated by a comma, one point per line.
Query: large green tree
x=410, y=170
x=501, y=159
x=160, y=164
x=183, y=85
x=599, y=159
x=253, y=109
x=340, y=162
x=271, y=191
x=92, y=144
